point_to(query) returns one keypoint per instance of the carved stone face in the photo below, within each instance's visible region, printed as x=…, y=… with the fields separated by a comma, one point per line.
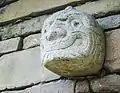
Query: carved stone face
x=72, y=44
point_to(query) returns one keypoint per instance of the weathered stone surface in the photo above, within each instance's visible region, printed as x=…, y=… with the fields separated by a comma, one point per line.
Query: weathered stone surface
x=10, y=45
x=31, y=41
x=23, y=68
x=107, y=84
x=109, y=22
x=72, y=44
x=23, y=7
x=100, y=7
x=61, y=86
x=112, y=62
x=82, y=87
x=23, y=28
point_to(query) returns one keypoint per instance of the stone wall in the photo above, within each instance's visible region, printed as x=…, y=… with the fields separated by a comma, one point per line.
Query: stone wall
x=20, y=30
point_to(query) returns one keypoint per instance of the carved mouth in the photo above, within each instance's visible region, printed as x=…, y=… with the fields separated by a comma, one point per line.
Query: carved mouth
x=63, y=43
x=76, y=44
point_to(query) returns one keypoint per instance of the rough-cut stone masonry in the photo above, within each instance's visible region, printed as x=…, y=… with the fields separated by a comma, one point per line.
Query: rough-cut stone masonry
x=23, y=8
x=23, y=68
x=109, y=22
x=20, y=68
x=82, y=87
x=34, y=26
x=113, y=50
x=107, y=84
x=60, y=86
x=31, y=41
x=38, y=7
x=10, y=45
x=24, y=28
x=101, y=7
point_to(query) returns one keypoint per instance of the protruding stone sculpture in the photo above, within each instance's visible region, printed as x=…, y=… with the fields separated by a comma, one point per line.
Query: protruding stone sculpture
x=72, y=44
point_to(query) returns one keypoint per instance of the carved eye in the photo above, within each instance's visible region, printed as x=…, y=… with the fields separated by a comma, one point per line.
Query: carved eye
x=45, y=31
x=76, y=23
x=62, y=19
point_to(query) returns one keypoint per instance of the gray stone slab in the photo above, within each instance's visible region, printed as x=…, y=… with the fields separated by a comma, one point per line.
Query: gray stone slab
x=24, y=28
x=10, y=45
x=109, y=22
x=112, y=60
x=22, y=69
x=31, y=41
x=82, y=87
x=61, y=86
x=23, y=8
x=100, y=7
x=107, y=84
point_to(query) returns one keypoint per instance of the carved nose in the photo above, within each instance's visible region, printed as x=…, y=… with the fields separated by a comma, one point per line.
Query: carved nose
x=56, y=34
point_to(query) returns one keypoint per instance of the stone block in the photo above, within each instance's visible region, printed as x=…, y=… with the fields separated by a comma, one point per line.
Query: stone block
x=24, y=8
x=31, y=41
x=34, y=25
x=100, y=7
x=10, y=45
x=82, y=87
x=112, y=61
x=61, y=86
x=24, y=28
x=107, y=84
x=109, y=22
x=23, y=68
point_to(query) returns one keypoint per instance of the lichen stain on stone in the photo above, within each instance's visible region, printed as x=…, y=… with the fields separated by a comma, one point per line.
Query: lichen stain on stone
x=72, y=67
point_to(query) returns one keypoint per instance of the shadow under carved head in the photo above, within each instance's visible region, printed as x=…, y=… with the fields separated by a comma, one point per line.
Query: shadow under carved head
x=72, y=44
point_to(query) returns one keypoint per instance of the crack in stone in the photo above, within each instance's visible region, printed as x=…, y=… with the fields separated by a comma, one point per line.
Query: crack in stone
x=27, y=86
x=102, y=14
x=74, y=89
x=20, y=88
x=113, y=28
x=90, y=87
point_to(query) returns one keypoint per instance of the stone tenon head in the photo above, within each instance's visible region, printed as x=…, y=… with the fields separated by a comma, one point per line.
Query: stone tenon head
x=72, y=43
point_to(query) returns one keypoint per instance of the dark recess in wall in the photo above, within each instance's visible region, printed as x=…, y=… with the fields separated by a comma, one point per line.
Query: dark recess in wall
x=6, y=2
